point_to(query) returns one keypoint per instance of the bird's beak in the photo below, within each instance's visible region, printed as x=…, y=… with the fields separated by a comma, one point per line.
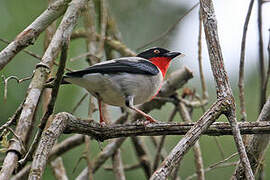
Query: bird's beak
x=172, y=54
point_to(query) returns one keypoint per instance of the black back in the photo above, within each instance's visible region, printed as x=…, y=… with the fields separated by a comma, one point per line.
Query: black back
x=132, y=65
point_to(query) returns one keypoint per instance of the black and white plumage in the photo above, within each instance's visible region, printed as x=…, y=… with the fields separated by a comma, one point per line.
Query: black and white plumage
x=113, y=81
x=125, y=81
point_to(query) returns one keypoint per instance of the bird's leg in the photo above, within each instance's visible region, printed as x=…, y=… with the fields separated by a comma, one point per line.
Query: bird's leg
x=129, y=104
x=101, y=119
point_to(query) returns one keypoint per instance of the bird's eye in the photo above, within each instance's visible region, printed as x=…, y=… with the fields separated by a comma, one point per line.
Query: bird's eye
x=156, y=51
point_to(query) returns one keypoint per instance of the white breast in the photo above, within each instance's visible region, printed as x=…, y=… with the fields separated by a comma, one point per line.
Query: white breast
x=113, y=88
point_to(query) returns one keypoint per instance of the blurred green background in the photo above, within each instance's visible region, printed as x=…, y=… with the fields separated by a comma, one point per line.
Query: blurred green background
x=139, y=21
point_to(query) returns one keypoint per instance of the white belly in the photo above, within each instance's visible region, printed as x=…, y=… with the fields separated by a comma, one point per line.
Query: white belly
x=114, y=88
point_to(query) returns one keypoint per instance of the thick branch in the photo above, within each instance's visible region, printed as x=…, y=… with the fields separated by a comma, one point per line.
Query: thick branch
x=223, y=87
x=62, y=34
x=175, y=156
x=58, y=150
x=46, y=143
x=95, y=130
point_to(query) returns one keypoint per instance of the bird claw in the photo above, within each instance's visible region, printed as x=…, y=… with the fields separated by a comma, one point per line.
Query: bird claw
x=150, y=120
x=102, y=124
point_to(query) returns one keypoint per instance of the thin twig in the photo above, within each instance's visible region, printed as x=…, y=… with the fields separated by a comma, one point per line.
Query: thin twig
x=18, y=81
x=13, y=119
x=203, y=84
x=118, y=168
x=142, y=155
x=114, y=44
x=219, y=164
x=223, y=165
x=90, y=29
x=171, y=28
x=126, y=167
x=81, y=56
x=215, y=165
x=103, y=16
x=261, y=56
x=242, y=62
x=33, y=54
x=268, y=71
x=59, y=170
x=79, y=103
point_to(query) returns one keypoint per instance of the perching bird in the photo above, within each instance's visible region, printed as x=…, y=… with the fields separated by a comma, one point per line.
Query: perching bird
x=126, y=81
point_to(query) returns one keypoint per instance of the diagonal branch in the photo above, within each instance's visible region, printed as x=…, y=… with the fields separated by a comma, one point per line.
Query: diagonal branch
x=223, y=87
x=34, y=91
x=31, y=33
x=224, y=105
x=174, y=158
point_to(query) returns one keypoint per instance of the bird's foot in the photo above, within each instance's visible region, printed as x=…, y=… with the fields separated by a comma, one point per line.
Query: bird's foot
x=102, y=124
x=149, y=120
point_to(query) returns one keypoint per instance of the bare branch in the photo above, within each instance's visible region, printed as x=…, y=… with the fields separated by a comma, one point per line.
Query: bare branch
x=31, y=33
x=47, y=141
x=161, y=143
x=174, y=158
x=79, y=103
x=142, y=154
x=33, y=54
x=114, y=44
x=96, y=131
x=118, y=168
x=103, y=16
x=223, y=87
x=107, y=152
x=126, y=167
x=35, y=89
x=221, y=163
x=257, y=144
x=261, y=56
x=58, y=169
x=203, y=84
x=57, y=150
x=225, y=103
x=268, y=71
x=51, y=102
x=197, y=149
x=242, y=61
x=10, y=78
x=169, y=29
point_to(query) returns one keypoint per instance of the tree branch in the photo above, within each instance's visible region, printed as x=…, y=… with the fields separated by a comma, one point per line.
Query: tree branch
x=224, y=105
x=241, y=64
x=257, y=144
x=31, y=33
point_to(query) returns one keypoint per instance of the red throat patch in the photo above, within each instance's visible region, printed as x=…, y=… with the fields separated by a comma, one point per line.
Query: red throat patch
x=162, y=63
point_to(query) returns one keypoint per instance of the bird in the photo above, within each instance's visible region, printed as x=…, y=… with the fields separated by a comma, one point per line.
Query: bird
x=126, y=81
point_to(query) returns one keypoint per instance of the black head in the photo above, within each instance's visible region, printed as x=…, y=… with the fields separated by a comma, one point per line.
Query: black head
x=158, y=52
